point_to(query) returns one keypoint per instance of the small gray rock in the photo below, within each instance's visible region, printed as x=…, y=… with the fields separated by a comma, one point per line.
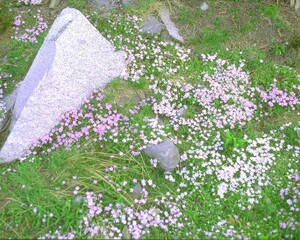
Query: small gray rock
x=172, y=29
x=9, y=103
x=204, y=6
x=137, y=191
x=200, y=86
x=160, y=122
x=181, y=112
x=126, y=3
x=137, y=188
x=54, y=3
x=166, y=153
x=156, y=211
x=166, y=36
x=152, y=25
x=101, y=3
x=125, y=233
x=79, y=199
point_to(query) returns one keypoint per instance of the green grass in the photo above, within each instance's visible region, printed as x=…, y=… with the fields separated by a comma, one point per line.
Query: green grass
x=125, y=94
x=18, y=55
x=247, y=27
x=6, y=19
x=210, y=40
x=6, y=16
x=38, y=184
x=185, y=16
x=294, y=41
x=279, y=49
x=78, y=4
x=18, y=61
x=142, y=7
x=271, y=11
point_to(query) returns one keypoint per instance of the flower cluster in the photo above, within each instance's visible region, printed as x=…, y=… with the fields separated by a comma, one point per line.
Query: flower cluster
x=223, y=227
x=26, y=33
x=145, y=57
x=93, y=121
x=229, y=95
x=273, y=96
x=30, y=2
x=196, y=118
x=108, y=220
x=58, y=235
x=225, y=96
x=137, y=220
x=291, y=197
x=291, y=194
x=150, y=131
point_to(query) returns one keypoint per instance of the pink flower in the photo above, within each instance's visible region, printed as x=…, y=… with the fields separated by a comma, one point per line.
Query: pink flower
x=282, y=225
x=18, y=22
x=108, y=106
x=271, y=104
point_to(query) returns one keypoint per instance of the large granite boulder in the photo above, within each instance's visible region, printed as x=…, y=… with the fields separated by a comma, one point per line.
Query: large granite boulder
x=73, y=60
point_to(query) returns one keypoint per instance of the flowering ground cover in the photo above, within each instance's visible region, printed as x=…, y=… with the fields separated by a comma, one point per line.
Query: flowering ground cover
x=234, y=117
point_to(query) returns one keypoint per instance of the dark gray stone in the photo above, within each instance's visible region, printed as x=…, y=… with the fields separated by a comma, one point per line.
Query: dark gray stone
x=79, y=199
x=101, y=3
x=152, y=25
x=181, y=112
x=166, y=36
x=125, y=233
x=137, y=191
x=9, y=101
x=126, y=3
x=166, y=153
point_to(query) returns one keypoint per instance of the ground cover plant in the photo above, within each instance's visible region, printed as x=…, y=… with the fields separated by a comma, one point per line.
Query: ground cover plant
x=232, y=113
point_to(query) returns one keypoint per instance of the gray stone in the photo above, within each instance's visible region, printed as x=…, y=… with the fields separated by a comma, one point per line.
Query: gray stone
x=137, y=191
x=127, y=2
x=204, y=6
x=166, y=37
x=101, y=3
x=166, y=153
x=74, y=60
x=125, y=233
x=181, y=112
x=156, y=211
x=105, y=6
x=172, y=29
x=9, y=101
x=54, y=3
x=79, y=199
x=152, y=25
x=4, y=116
x=11, y=98
x=160, y=122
